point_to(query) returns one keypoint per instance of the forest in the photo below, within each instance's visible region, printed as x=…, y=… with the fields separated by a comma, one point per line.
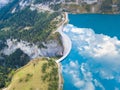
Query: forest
x=9, y=64
x=31, y=26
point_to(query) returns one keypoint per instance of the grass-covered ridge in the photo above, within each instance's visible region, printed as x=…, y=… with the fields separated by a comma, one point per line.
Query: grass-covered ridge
x=39, y=74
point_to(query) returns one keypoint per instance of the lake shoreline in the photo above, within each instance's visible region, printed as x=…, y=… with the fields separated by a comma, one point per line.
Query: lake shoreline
x=67, y=45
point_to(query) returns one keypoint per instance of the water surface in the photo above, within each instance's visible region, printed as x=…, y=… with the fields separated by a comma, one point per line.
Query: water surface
x=93, y=63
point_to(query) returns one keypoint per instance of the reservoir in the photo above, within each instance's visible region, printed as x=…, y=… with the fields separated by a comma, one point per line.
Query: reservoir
x=94, y=60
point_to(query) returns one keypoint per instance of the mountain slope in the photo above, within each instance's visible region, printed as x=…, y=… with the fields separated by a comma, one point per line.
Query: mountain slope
x=72, y=6
x=32, y=28
x=39, y=74
x=8, y=65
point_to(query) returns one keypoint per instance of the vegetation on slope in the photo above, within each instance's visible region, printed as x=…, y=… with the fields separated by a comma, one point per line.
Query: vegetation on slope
x=5, y=11
x=31, y=26
x=110, y=6
x=8, y=65
x=39, y=74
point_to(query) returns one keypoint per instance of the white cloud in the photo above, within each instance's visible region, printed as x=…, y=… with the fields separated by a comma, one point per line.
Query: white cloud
x=83, y=80
x=87, y=77
x=72, y=69
x=116, y=88
x=97, y=46
x=102, y=51
x=86, y=73
x=107, y=75
x=98, y=84
x=74, y=64
x=89, y=86
x=79, y=83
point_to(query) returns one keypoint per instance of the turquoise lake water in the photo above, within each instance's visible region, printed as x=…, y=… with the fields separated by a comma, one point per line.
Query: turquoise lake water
x=94, y=61
x=106, y=24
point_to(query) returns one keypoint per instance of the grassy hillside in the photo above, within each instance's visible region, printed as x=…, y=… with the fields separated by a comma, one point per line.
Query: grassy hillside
x=39, y=74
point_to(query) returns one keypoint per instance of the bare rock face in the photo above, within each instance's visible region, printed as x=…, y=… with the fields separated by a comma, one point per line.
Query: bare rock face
x=50, y=49
x=53, y=49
